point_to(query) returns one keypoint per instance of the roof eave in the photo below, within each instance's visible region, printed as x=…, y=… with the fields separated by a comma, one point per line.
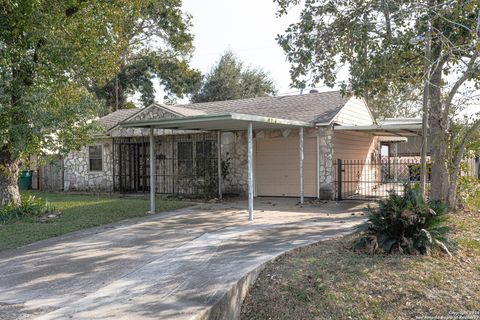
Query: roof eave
x=196, y=122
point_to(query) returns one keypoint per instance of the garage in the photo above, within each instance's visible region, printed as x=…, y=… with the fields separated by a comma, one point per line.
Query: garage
x=277, y=171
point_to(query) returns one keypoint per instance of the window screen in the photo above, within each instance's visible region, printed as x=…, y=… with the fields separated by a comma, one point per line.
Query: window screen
x=185, y=156
x=205, y=156
x=95, y=158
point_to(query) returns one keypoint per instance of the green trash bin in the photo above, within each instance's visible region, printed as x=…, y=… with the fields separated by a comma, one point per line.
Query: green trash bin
x=25, y=180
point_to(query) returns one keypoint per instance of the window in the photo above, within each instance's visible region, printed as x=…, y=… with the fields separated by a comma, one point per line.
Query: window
x=185, y=156
x=205, y=156
x=196, y=158
x=95, y=158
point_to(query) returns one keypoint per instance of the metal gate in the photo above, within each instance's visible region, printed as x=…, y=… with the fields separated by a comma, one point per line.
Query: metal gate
x=131, y=165
x=373, y=180
x=185, y=164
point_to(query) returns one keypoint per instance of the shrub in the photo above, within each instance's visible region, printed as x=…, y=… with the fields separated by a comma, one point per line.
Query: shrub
x=405, y=224
x=468, y=190
x=31, y=207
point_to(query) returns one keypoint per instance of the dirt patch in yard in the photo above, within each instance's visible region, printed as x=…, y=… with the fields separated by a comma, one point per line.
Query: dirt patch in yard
x=329, y=281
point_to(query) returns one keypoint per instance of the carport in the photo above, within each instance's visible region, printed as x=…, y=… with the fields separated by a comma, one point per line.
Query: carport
x=386, y=130
x=223, y=122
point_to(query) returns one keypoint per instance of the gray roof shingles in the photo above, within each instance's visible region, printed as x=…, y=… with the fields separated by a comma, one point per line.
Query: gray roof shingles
x=112, y=119
x=317, y=107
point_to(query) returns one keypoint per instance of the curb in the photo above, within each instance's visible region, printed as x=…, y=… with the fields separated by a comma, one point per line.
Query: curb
x=230, y=304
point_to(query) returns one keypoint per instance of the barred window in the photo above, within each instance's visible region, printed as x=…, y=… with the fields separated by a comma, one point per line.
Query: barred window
x=205, y=156
x=95, y=158
x=185, y=157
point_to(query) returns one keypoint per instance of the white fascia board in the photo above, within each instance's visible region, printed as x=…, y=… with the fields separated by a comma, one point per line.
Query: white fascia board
x=380, y=127
x=196, y=121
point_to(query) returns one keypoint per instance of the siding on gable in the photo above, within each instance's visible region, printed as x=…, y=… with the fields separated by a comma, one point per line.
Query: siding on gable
x=355, y=112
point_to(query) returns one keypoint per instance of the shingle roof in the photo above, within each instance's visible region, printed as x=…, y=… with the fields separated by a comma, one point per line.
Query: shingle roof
x=111, y=120
x=319, y=107
x=187, y=112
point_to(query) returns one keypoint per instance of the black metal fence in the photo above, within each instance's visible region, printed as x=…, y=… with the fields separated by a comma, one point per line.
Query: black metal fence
x=185, y=164
x=372, y=180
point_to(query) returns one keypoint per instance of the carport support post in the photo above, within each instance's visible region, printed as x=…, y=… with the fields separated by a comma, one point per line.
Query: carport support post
x=250, y=172
x=152, y=172
x=300, y=135
x=219, y=163
x=395, y=161
x=318, y=166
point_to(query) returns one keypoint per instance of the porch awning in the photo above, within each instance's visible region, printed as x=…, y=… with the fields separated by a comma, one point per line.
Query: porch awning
x=399, y=130
x=221, y=122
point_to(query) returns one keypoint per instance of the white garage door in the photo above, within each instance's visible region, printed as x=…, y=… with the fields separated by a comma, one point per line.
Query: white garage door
x=277, y=167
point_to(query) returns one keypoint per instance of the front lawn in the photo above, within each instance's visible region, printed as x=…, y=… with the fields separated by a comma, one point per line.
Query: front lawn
x=329, y=281
x=78, y=212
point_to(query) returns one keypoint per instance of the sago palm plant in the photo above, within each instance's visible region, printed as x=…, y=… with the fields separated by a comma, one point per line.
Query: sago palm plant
x=405, y=224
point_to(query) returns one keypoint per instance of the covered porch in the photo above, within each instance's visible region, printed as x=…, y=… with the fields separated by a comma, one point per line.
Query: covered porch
x=228, y=122
x=375, y=177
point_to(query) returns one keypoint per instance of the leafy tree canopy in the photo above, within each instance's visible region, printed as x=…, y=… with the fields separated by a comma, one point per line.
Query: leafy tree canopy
x=158, y=46
x=50, y=52
x=379, y=41
x=391, y=48
x=229, y=79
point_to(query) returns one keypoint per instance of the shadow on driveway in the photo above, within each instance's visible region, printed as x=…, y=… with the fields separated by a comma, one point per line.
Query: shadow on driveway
x=171, y=265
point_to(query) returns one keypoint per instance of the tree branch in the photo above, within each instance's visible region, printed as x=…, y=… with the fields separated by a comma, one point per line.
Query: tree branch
x=471, y=67
x=465, y=140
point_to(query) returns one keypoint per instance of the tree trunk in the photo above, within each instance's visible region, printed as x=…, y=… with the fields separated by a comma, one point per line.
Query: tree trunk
x=452, y=192
x=438, y=132
x=9, y=171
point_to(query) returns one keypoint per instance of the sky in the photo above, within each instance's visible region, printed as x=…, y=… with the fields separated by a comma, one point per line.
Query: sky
x=246, y=27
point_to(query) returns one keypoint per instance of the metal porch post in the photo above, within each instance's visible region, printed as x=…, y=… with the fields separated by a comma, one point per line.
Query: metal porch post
x=318, y=166
x=250, y=172
x=152, y=172
x=395, y=162
x=219, y=163
x=300, y=134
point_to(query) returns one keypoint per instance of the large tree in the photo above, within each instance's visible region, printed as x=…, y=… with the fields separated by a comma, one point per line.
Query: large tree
x=158, y=46
x=229, y=79
x=50, y=53
x=382, y=43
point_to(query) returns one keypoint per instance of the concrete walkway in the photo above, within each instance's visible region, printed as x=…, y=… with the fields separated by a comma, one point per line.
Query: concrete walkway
x=179, y=265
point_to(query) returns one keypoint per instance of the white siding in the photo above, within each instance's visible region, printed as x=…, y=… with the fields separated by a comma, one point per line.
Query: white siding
x=355, y=112
x=361, y=148
x=353, y=145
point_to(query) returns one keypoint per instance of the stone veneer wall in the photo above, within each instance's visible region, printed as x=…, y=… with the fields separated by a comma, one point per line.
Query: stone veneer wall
x=234, y=162
x=326, y=170
x=77, y=176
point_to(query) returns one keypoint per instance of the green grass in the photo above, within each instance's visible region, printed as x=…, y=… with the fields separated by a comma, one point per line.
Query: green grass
x=474, y=203
x=78, y=212
x=330, y=281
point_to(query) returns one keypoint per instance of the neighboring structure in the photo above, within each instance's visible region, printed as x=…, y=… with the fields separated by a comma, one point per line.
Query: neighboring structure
x=188, y=160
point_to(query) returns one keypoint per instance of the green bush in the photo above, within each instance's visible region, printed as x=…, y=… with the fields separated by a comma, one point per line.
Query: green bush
x=468, y=190
x=31, y=207
x=405, y=224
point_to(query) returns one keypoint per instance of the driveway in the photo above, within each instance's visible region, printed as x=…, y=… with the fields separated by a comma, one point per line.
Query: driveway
x=174, y=265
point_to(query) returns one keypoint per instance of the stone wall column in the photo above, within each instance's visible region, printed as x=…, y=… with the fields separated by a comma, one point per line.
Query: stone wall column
x=326, y=171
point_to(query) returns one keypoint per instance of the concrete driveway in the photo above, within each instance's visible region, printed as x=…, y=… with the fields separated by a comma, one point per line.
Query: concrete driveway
x=193, y=263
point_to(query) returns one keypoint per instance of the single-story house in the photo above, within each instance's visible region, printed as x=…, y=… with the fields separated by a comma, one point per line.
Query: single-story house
x=203, y=148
